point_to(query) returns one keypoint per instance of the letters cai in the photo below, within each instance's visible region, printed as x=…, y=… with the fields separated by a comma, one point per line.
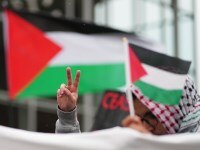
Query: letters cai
x=115, y=100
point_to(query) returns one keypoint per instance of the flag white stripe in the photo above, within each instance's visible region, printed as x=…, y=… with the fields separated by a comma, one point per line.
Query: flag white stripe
x=163, y=79
x=86, y=49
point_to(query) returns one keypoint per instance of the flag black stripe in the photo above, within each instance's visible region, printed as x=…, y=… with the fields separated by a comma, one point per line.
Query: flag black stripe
x=161, y=61
x=48, y=23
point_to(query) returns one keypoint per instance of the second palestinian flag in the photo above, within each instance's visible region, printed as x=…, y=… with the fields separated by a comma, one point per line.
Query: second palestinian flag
x=159, y=77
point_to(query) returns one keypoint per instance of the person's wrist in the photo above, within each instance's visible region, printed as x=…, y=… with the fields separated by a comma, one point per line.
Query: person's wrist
x=70, y=108
x=67, y=108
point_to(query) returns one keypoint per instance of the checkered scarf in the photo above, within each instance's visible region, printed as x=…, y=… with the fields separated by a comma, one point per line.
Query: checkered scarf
x=171, y=116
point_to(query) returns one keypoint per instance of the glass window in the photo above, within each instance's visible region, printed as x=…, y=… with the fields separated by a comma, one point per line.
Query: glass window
x=154, y=20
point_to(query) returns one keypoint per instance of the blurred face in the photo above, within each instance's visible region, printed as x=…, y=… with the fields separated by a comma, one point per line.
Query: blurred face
x=148, y=119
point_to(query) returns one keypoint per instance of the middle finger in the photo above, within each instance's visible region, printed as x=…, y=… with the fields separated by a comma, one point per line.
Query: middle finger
x=69, y=77
x=77, y=79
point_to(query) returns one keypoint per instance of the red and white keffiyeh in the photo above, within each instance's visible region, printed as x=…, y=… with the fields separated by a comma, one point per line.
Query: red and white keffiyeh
x=172, y=116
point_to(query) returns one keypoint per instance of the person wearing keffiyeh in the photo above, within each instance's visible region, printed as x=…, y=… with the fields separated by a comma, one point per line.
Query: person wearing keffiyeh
x=181, y=118
x=150, y=117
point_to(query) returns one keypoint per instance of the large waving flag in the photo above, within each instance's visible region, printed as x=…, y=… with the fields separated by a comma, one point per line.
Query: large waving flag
x=158, y=76
x=39, y=47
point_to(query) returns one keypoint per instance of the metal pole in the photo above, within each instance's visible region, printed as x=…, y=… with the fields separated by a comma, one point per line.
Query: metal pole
x=22, y=121
x=196, y=41
x=87, y=10
x=88, y=111
x=163, y=24
x=106, y=12
x=32, y=115
x=88, y=99
x=176, y=37
x=70, y=8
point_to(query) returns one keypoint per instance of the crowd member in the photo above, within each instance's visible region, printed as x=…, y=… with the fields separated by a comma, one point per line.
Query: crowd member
x=181, y=118
x=150, y=117
x=67, y=97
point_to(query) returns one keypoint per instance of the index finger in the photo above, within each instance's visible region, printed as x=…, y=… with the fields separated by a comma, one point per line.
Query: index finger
x=69, y=76
x=77, y=79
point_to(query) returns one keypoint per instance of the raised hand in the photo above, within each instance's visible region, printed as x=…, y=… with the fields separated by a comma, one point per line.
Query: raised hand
x=67, y=95
x=134, y=122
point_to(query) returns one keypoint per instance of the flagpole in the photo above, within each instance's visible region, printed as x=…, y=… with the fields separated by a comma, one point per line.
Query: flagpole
x=128, y=77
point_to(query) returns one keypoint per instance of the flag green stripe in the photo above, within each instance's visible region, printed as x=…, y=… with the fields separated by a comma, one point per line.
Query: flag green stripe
x=94, y=78
x=168, y=97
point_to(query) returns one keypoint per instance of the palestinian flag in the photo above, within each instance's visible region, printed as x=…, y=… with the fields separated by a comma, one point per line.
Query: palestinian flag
x=28, y=52
x=158, y=76
x=40, y=47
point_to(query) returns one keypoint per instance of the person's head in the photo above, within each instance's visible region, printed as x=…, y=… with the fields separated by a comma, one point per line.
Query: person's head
x=165, y=119
x=149, y=120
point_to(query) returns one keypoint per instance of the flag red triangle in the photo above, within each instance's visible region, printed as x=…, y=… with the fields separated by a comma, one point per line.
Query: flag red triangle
x=28, y=52
x=136, y=69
